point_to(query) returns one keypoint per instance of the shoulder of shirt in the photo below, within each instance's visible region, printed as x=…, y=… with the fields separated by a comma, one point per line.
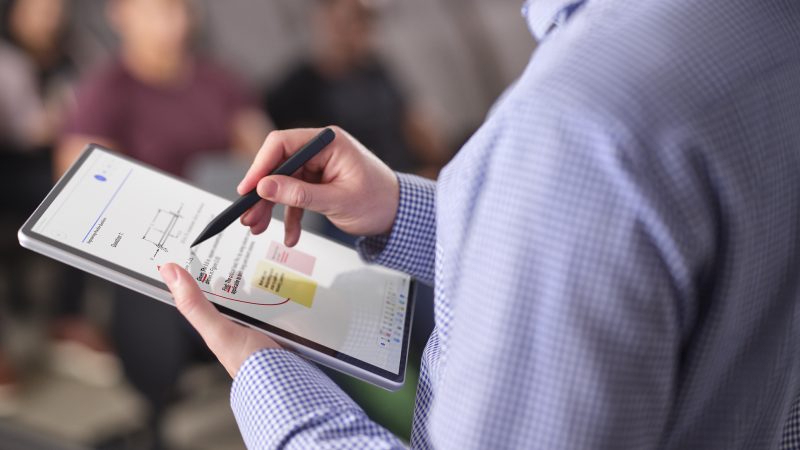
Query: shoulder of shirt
x=300, y=74
x=206, y=67
x=302, y=80
x=665, y=61
x=106, y=75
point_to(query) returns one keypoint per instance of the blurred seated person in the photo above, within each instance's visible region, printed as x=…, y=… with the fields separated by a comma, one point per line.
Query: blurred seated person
x=36, y=73
x=157, y=101
x=36, y=88
x=35, y=77
x=344, y=84
x=160, y=103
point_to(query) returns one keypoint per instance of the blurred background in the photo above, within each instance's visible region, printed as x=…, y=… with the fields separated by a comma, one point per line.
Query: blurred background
x=193, y=87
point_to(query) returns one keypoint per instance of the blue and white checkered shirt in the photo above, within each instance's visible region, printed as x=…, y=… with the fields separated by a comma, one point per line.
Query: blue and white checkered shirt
x=615, y=251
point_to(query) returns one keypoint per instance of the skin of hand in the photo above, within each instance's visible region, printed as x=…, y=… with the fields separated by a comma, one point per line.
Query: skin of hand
x=345, y=181
x=230, y=342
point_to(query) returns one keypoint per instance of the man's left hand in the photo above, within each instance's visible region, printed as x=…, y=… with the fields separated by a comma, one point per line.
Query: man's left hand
x=230, y=342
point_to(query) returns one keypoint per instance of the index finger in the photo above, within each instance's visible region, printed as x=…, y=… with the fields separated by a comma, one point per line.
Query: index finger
x=278, y=146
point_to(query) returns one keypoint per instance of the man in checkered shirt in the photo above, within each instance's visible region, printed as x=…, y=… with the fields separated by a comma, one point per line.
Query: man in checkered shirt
x=615, y=252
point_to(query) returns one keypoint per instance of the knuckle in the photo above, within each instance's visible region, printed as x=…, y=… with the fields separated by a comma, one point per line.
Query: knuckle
x=300, y=197
x=274, y=136
x=184, y=303
x=272, y=142
x=338, y=131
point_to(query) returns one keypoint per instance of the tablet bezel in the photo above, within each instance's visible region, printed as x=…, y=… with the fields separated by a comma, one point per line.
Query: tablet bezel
x=158, y=290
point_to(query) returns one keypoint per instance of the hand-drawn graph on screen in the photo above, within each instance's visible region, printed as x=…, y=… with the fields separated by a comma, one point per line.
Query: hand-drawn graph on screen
x=162, y=229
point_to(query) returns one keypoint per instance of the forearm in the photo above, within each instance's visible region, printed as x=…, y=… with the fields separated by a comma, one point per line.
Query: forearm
x=282, y=401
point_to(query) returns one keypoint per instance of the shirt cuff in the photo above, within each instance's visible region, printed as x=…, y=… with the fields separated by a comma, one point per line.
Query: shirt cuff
x=277, y=395
x=411, y=246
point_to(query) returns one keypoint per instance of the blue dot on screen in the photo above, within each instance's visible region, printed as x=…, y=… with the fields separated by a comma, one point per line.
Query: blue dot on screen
x=100, y=177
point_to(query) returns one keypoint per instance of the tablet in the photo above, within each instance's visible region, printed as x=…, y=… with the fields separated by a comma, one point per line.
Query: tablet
x=121, y=220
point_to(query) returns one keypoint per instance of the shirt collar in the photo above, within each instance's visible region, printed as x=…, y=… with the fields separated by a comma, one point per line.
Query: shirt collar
x=543, y=14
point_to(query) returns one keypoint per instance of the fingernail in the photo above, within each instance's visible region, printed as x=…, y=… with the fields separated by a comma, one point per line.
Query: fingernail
x=169, y=274
x=268, y=189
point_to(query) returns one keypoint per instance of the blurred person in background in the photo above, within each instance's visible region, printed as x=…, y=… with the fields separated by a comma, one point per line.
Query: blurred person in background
x=157, y=101
x=36, y=73
x=345, y=84
x=161, y=103
x=35, y=100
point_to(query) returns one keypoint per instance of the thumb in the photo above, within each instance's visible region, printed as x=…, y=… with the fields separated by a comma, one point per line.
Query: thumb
x=231, y=343
x=291, y=191
x=191, y=302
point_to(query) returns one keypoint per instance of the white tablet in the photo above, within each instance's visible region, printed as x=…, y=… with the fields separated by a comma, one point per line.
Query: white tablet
x=121, y=220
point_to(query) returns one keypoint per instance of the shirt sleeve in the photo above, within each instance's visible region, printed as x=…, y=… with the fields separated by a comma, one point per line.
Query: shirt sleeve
x=282, y=401
x=570, y=276
x=411, y=246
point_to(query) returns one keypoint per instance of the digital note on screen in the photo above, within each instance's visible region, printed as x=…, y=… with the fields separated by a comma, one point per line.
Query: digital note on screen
x=285, y=284
x=291, y=258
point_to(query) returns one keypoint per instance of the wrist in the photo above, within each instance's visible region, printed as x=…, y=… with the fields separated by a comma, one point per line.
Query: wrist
x=393, y=205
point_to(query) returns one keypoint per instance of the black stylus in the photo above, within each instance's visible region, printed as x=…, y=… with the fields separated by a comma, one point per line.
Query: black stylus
x=247, y=201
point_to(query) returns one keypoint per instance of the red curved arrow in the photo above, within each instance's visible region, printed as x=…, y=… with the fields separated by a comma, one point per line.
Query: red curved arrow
x=251, y=303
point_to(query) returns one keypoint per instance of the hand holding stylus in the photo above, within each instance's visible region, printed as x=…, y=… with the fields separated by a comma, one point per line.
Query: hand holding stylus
x=345, y=182
x=291, y=165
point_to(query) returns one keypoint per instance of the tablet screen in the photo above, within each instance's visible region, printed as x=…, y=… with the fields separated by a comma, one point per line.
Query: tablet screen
x=318, y=293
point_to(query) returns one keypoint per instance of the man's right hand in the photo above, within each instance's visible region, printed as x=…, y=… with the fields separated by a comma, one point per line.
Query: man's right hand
x=345, y=181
